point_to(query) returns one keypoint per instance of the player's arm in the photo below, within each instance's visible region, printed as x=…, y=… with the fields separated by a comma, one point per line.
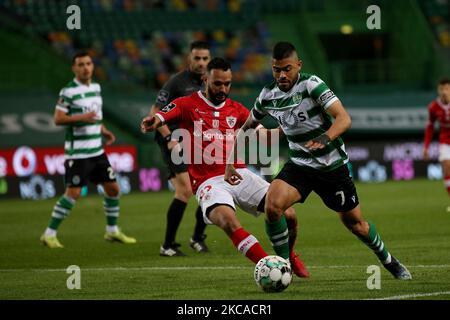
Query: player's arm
x=170, y=113
x=231, y=175
x=110, y=137
x=163, y=130
x=61, y=118
x=429, y=131
x=150, y=124
x=327, y=100
x=342, y=122
x=167, y=93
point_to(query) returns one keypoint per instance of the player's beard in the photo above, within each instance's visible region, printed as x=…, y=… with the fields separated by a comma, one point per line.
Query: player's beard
x=284, y=85
x=85, y=77
x=217, y=98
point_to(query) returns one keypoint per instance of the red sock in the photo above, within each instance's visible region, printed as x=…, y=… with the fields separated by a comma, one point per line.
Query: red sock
x=447, y=184
x=248, y=245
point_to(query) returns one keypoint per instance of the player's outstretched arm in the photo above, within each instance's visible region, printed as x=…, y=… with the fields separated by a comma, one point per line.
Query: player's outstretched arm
x=341, y=124
x=163, y=130
x=151, y=123
x=231, y=175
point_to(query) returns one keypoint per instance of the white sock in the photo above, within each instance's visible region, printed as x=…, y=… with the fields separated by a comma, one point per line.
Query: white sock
x=50, y=232
x=388, y=259
x=112, y=229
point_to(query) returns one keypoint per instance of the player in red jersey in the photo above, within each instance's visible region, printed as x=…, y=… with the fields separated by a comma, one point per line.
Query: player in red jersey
x=210, y=121
x=439, y=110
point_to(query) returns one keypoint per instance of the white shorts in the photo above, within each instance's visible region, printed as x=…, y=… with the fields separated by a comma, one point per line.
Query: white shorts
x=247, y=194
x=444, y=152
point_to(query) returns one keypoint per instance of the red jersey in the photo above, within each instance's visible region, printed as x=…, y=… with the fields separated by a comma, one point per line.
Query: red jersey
x=211, y=133
x=437, y=111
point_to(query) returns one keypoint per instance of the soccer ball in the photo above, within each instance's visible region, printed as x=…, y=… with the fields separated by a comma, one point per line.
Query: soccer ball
x=273, y=274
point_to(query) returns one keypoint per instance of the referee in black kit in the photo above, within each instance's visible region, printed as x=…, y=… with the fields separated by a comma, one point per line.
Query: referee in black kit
x=181, y=84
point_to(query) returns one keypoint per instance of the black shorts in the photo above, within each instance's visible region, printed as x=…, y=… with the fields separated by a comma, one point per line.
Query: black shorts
x=335, y=188
x=172, y=168
x=80, y=171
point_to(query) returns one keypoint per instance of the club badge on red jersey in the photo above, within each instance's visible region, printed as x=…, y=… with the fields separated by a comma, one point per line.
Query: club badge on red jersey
x=231, y=121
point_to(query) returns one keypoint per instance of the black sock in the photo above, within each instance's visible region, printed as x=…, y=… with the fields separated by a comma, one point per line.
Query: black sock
x=200, y=225
x=174, y=216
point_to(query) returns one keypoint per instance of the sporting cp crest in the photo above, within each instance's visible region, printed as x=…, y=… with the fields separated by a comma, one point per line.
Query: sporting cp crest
x=231, y=121
x=297, y=98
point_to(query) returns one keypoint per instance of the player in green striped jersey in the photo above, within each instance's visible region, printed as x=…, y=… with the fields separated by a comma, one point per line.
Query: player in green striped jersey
x=304, y=107
x=79, y=108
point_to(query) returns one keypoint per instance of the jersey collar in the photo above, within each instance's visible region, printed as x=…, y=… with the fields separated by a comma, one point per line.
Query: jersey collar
x=209, y=103
x=81, y=84
x=440, y=103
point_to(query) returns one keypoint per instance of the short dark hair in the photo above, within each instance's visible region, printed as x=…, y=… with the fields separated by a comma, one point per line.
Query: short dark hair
x=200, y=45
x=283, y=50
x=218, y=63
x=444, y=81
x=80, y=54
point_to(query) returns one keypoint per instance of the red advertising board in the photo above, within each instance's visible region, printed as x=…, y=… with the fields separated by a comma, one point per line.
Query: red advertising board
x=25, y=161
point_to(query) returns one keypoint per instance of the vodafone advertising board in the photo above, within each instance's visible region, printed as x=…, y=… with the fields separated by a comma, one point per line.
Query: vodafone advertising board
x=36, y=173
x=25, y=161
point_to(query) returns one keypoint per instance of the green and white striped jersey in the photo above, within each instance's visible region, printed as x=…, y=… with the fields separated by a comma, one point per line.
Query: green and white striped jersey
x=302, y=115
x=83, y=140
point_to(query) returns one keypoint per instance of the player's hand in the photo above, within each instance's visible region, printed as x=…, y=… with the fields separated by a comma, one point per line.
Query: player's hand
x=232, y=176
x=110, y=137
x=426, y=156
x=147, y=124
x=90, y=117
x=317, y=143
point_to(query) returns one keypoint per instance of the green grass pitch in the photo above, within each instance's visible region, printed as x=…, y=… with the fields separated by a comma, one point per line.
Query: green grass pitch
x=410, y=216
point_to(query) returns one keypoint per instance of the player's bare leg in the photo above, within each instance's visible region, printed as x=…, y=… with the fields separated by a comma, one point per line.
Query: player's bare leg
x=224, y=217
x=279, y=198
x=368, y=234
x=182, y=185
x=112, y=209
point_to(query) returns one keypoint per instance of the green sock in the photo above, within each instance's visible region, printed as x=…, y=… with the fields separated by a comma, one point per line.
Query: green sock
x=279, y=236
x=374, y=242
x=60, y=211
x=111, y=205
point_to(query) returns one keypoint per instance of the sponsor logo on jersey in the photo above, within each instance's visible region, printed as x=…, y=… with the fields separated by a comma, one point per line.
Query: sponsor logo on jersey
x=169, y=107
x=163, y=96
x=198, y=111
x=215, y=123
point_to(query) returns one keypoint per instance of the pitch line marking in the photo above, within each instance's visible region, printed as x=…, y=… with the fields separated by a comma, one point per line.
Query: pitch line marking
x=443, y=266
x=414, y=295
